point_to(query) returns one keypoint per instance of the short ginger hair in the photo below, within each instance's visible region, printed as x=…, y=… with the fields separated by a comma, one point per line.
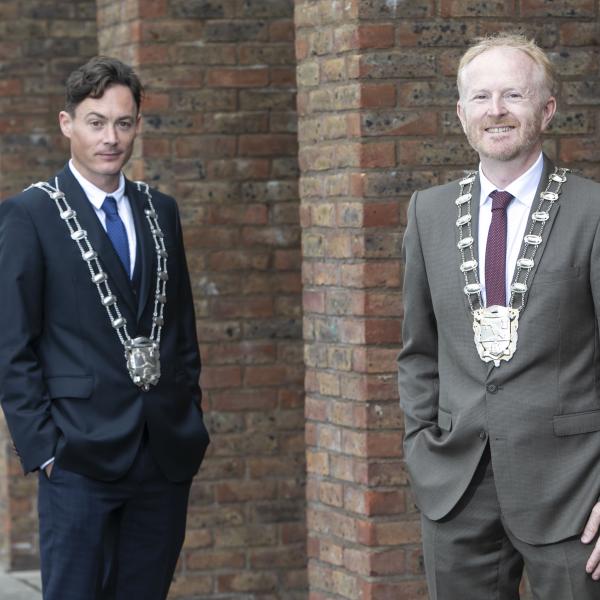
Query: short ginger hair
x=516, y=41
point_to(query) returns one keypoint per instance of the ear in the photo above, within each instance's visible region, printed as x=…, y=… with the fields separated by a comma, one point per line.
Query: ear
x=548, y=111
x=138, y=123
x=66, y=123
x=461, y=115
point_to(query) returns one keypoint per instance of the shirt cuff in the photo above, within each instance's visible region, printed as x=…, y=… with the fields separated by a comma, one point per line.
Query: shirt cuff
x=44, y=465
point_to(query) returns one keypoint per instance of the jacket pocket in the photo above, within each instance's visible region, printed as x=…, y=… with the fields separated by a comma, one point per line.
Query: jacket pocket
x=557, y=275
x=444, y=419
x=70, y=387
x=575, y=423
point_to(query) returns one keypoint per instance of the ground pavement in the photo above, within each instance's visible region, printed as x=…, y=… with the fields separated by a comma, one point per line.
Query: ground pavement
x=20, y=585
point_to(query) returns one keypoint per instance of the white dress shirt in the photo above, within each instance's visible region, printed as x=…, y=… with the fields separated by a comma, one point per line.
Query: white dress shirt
x=517, y=218
x=96, y=197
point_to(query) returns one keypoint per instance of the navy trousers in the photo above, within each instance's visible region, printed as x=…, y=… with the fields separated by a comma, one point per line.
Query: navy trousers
x=116, y=540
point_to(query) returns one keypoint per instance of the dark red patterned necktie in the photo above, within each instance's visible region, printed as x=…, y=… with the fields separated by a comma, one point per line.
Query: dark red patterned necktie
x=495, y=251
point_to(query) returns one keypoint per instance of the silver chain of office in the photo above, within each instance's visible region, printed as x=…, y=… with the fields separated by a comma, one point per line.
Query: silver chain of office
x=531, y=241
x=142, y=354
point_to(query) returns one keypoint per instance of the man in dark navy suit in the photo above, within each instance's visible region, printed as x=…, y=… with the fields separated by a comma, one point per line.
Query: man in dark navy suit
x=99, y=361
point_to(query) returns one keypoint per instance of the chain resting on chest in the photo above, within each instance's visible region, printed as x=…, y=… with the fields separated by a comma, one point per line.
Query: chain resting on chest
x=495, y=327
x=142, y=354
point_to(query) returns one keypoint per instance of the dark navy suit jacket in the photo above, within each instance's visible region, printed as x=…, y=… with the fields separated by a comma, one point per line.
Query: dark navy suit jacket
x=64, y=385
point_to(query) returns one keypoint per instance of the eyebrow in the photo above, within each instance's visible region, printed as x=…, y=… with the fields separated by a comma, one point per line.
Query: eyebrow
x=101, y=116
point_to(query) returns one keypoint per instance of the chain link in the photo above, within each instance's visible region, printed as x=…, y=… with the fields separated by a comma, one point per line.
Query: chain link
x=531, y=241
x=100, y=278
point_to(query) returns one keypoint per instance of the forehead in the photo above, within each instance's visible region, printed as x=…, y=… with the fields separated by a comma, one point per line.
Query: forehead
x=117, y=99
x=500, y=67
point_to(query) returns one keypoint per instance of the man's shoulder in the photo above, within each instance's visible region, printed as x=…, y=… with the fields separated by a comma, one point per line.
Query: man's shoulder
x=158, y=198
x=576, y=181
x=440, y=195
x=30, y=199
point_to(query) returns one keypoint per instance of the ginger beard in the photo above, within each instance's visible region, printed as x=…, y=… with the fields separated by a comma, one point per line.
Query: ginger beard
x=505, y=139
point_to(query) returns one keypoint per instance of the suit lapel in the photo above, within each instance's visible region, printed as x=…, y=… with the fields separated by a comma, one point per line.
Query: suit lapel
x=548, y=168
x=145, y=243
x=475, y=193
x=98, y=238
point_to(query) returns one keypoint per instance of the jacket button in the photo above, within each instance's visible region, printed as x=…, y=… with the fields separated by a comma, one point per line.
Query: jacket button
x=492, y=388
x=483, y=435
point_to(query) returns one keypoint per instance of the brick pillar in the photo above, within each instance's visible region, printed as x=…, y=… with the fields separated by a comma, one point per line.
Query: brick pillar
x=40, y=43
x=219, y=134
x=376, y=103
x=363, y=530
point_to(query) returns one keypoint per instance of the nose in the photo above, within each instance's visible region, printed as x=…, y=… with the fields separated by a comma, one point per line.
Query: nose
x=497, y=105
x=110, y=135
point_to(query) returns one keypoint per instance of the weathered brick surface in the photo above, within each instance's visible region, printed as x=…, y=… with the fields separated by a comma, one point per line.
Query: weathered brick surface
x=376, y=122
x=376, y=102
x=40, y=43
x=219, y=134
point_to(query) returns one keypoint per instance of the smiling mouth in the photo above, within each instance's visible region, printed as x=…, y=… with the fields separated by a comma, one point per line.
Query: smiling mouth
x=504, y=129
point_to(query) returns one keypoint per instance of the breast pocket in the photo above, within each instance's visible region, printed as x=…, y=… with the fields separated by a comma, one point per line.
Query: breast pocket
x=557, y=275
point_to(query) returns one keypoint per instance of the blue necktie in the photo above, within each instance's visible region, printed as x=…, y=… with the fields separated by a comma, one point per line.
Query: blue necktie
x=116, y=232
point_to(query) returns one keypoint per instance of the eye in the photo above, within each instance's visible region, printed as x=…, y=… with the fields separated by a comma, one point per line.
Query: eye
x=96, y=124
x=125, y=124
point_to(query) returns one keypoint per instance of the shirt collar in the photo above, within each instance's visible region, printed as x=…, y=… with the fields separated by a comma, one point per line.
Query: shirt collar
x=95, y=195
x=523, y=188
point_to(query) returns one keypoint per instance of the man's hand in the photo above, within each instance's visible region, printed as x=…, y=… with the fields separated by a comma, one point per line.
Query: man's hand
x=589, y=533
x=48, y=469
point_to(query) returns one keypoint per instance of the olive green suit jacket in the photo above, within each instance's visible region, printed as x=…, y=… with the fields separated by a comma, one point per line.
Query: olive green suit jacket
x=539, y=412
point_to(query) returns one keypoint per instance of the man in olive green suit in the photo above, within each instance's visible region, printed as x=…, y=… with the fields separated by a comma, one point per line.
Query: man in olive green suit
x=499, y=374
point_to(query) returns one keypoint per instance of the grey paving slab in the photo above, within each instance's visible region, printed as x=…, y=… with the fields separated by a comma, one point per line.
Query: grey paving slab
x=20, y=585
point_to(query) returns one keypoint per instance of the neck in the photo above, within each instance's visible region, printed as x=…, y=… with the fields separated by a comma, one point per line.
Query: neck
x=107, y=183
x=503, y=173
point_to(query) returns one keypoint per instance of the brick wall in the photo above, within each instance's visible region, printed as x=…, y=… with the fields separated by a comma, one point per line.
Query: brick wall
x=40, y=43
x=219, y=134
x=376, y=102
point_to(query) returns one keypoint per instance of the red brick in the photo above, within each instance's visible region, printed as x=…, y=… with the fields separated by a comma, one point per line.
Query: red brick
x=558, y=8
x=579, y=33
x=245, y=400
x=206, y=560
x=267, y=145
x=245, y=491
x=247, y=581
x=579, y=149
x=375, y=36
x=389, y=533
x=405, y=590
x=381, y=154
x=11, y=87
x=265, y=375
x=477, y=8
x=377, y=95
x=238, y=78
x=281, y=31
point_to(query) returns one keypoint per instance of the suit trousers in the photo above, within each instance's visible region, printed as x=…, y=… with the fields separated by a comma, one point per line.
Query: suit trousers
x=471, y=553
x=116, y=540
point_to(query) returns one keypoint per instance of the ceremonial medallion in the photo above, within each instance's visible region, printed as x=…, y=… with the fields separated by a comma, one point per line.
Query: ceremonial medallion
x=143, y=362
x=495, y=330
